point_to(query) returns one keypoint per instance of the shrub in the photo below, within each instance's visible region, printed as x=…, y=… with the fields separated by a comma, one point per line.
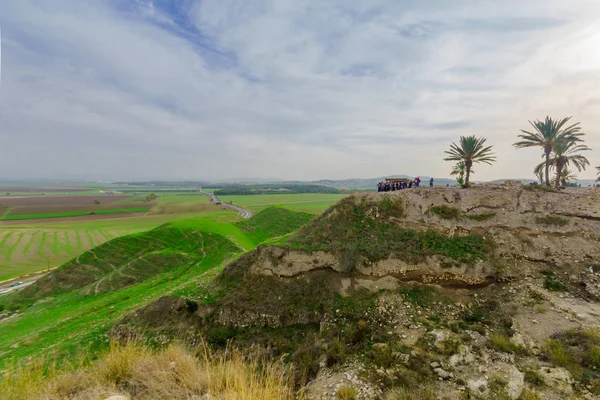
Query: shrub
x=533, y=377
x=346, y=393
x=446, y=212
x=552, y=220
x=481, y=217
x=551, y=282
x=529, y=395
x=96, y=201
x=503, y=344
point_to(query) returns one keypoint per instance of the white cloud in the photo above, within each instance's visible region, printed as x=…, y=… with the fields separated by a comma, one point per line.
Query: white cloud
x=286, y=89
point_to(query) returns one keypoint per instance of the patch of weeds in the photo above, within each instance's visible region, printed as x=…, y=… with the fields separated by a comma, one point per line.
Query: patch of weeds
x=346, y=393
x=552, y=282
x=497, y=385
x=393, y=208
x=533, y=377
x=552, y=220
x=422, y=296
x=527, y=394
x=420, y=393
x=503, y=344
x=540, y=309
x=220, y=335
x=446, y=212
x=336, y=353
x=475, y=314
x=480, y=217
x=536, y=297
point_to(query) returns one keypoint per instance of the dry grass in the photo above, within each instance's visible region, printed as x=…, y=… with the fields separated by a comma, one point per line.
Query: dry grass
x=140, y=373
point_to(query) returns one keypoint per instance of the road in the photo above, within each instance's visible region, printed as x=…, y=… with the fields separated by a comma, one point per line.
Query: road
x=242, y=211
x=5, y=287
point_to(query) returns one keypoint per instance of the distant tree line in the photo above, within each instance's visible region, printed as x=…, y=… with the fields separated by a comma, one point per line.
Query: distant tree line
x=273, y=189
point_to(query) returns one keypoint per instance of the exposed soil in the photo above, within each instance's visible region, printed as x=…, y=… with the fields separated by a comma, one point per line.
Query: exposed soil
x=37, y=204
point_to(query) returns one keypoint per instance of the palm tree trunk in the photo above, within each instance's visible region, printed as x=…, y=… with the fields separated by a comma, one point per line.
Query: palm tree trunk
x=468, y=167
x=558, y=173
x=547, y=168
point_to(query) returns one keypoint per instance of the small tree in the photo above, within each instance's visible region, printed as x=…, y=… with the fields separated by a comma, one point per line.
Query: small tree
x=96, y=201
x=470, y=150
x=151, y=197
x=459, y=171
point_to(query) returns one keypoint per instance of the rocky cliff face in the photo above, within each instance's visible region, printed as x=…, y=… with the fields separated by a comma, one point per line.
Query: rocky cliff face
x=467, y=238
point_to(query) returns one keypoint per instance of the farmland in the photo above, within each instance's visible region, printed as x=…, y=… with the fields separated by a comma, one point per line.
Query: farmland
x=52, y=237
x=57, y=206
x=313, y=203
x=32, y=245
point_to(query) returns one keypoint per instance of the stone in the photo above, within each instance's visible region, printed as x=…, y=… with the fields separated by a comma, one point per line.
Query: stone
x=558, y=378
x=478, y=385
x=117, y=397
x=442, y=373
x=516, y=383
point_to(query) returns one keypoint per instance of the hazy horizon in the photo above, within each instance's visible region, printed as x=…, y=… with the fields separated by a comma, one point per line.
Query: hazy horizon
x=288, y=90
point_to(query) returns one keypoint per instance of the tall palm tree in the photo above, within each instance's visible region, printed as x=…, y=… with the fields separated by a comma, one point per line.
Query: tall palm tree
x=546, y=134
x=563, y=155
x=470, y=150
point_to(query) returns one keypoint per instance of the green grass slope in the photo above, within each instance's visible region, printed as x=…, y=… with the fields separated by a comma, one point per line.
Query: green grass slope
x=72, y=309
x=128, y=260
x=273, y=222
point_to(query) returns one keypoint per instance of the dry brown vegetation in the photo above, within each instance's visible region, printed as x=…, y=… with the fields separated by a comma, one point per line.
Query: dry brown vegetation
x=140, y=373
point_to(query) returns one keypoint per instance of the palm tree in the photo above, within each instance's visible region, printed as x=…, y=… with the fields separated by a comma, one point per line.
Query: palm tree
x=565, y=154
x=567, y=176
x=459, y=171
x=546, y=134
x=470, y=150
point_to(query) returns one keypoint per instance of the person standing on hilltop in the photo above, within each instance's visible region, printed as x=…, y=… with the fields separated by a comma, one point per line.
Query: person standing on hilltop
x=417, y=181
x=431, y=182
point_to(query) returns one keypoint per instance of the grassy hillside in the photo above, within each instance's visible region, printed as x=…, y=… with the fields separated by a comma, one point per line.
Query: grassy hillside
x=272, y=222
x=307, y=202
x=364, y=231
x=34, y=245
x=73, y=308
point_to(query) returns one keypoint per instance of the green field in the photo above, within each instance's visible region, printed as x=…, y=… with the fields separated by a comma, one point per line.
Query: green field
x=71, y=310
x=34, y=246
x=309, y=202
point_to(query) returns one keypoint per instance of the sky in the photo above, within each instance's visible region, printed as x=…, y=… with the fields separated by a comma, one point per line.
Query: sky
x=287, y=89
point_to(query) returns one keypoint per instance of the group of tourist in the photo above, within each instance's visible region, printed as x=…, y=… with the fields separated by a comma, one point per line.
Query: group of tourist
x=392, y=186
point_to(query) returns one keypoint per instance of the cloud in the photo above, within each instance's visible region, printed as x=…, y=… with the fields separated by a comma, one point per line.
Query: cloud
x=286, y=89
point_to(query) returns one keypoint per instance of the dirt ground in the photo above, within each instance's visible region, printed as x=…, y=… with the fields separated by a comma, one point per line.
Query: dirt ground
x=38, y=204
